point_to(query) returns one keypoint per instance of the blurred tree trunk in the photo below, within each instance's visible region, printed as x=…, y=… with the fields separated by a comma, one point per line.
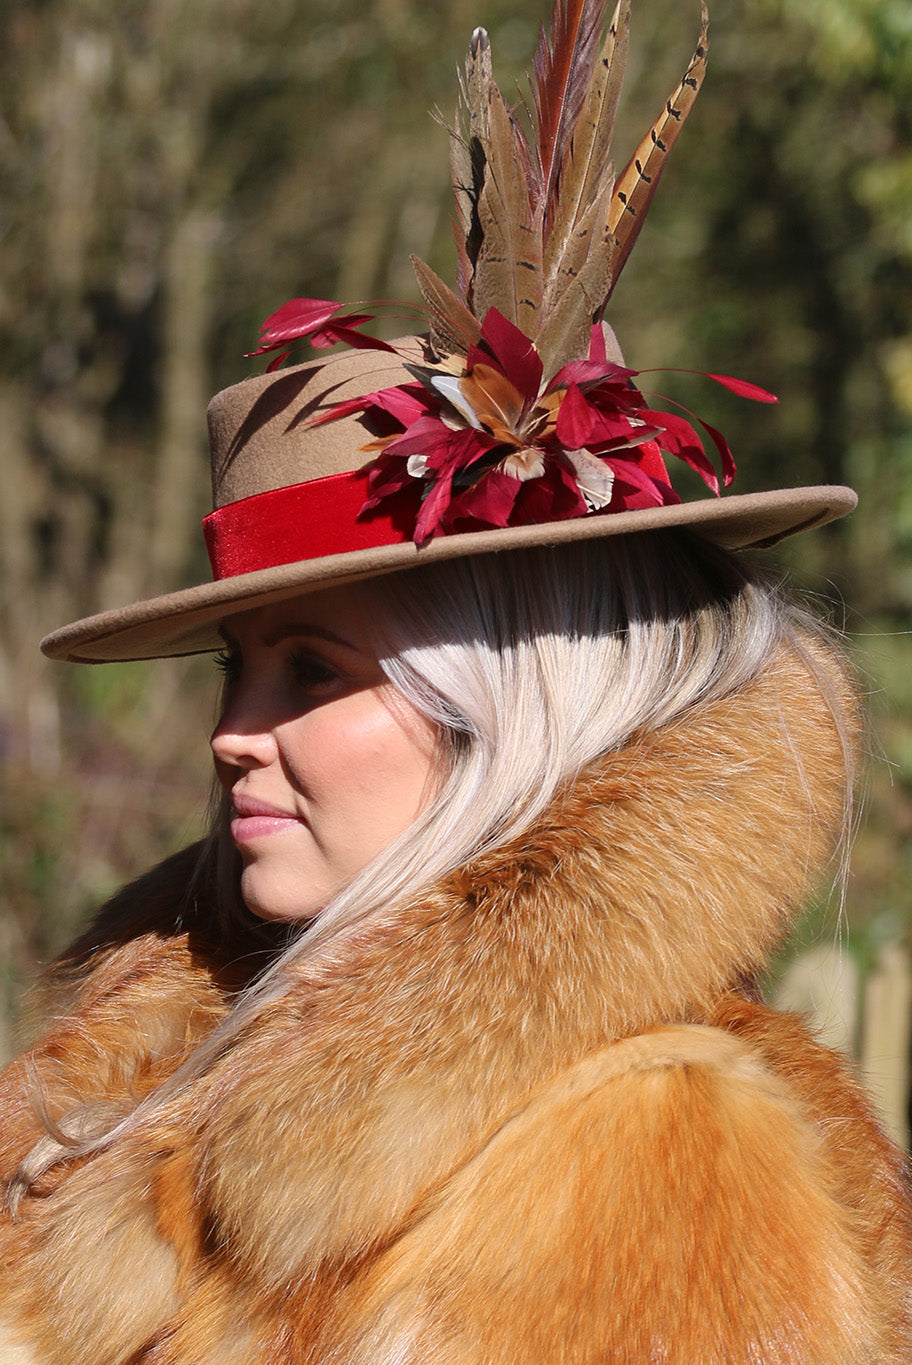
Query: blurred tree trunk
x=178, y=496
x=172, y=171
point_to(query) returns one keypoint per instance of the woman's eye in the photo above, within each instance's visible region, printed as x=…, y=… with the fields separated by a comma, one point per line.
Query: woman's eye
x=312, y=673
x=306, y=671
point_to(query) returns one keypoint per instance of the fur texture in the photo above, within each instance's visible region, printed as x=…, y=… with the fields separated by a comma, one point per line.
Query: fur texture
x=528, y=1118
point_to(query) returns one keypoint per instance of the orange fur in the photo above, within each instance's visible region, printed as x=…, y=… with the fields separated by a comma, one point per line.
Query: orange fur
x=636, y=1201
x=524, y=1119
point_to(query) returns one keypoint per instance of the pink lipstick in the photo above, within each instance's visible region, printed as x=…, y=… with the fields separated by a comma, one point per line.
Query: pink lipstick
x=257, y=819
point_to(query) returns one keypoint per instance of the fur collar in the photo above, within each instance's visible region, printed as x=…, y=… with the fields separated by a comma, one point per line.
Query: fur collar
x=658, y=880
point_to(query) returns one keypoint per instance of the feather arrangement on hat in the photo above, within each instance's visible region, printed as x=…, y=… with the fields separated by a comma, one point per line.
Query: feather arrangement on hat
x=524, y=411
x=543, y=225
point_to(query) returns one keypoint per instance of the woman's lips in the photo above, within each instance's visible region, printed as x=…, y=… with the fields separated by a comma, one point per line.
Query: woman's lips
x=257, y=819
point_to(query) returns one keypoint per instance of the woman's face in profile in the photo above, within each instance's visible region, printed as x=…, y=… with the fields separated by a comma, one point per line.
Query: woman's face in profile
x=324, y=764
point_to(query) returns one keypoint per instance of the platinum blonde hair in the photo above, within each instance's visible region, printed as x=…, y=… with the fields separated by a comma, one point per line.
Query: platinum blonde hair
x=531, y=664
x=534, y=663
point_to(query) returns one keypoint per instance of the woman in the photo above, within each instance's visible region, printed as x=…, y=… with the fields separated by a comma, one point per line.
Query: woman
x=446, y=1045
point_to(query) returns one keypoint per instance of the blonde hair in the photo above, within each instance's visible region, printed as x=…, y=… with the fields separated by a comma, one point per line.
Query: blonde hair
x=531, y=664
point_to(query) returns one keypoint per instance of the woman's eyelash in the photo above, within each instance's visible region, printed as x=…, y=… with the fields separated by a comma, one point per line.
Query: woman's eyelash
x=307, y=670
x=228, y=664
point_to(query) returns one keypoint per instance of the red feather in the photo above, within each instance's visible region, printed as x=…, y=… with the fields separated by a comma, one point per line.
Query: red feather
x=744, y=388
x=562, y=69
x=651, y=492
x=295, y=319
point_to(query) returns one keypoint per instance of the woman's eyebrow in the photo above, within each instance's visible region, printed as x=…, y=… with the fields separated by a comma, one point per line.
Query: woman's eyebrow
x=292, y=628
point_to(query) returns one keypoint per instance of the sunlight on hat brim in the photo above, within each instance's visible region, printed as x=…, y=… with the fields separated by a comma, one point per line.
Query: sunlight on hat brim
x=186, y=622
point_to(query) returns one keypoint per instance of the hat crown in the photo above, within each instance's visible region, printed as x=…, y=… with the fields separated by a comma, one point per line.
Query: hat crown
x=265, y=433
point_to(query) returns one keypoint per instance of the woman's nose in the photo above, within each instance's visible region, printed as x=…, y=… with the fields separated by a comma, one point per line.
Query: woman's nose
x=242, y=740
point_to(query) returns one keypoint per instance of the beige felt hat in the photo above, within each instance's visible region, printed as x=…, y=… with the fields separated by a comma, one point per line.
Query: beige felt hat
x=264, y=440
x=512, y=423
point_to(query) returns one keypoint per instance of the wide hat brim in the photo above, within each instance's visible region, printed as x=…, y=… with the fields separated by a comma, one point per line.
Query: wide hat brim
x=263, y=438
x=186, y=622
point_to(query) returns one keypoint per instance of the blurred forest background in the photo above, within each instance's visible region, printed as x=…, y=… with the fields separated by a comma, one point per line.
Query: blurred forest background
x=173, y=170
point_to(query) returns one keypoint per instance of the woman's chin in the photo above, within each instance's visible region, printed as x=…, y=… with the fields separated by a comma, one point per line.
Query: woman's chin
x=268, y=899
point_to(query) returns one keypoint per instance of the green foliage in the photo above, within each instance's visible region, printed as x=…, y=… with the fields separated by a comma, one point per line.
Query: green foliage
x=171, y=171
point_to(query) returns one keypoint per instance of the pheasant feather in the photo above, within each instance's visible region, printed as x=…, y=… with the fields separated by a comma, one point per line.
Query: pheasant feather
x=523, y=411
x=637, y=185
x=586, y=164
x=562, y=67
x=453, y=327
x=543, y=230
x=508, y=267
x=578, y=286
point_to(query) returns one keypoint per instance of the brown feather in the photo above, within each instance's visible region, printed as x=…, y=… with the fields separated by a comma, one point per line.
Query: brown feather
x=577, y=253
x=562, y=69
x=463, y=186
x=467, y=156
x=479, y=79
x=453, y=328
x=543, y=233
x=508, y=267
x=637, y=185
x=464, y=267
x=467, y=142
x=584, y=280
x=497, y=403
x=586, y=163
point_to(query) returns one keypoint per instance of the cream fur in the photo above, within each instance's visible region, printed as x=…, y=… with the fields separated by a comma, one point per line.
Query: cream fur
x=529, y=1118
x=12, y=1350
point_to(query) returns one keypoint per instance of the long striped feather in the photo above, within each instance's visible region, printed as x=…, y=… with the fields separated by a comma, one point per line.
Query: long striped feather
x=508, y=267
x=467, y=155
x=577, y=230
x=637, y=185
x=543, y=230
x=587, y=158
x=562, y=68
x=583, y=283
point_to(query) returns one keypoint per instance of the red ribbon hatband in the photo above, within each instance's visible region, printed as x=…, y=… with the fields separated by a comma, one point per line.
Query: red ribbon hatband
x=302, y=521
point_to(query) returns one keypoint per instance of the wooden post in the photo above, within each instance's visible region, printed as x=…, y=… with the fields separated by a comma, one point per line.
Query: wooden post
x=886, y=1037
x=822, y=984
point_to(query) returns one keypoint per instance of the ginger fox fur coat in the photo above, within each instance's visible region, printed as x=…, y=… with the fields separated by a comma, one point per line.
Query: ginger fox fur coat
x=539, y=1116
